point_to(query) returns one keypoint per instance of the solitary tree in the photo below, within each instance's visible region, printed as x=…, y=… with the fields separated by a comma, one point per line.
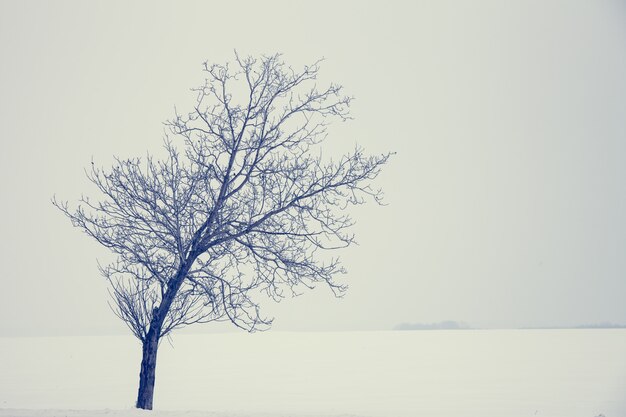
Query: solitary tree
x=243, y=204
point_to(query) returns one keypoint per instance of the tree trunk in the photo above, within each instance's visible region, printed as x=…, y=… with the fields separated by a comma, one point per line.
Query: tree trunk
x=147, y=373
x=151, y=341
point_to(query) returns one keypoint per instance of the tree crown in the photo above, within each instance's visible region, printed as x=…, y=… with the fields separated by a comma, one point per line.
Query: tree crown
x=243, y=205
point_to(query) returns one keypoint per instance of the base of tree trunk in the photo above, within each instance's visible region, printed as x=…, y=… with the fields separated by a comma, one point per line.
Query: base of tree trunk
x=147, y=373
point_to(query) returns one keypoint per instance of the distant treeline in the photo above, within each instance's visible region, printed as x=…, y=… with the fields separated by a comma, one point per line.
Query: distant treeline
x=444, y=325
x=601, y=326
x=458, y=325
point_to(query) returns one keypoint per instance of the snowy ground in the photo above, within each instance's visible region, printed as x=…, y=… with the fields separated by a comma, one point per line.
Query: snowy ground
x=488, y=373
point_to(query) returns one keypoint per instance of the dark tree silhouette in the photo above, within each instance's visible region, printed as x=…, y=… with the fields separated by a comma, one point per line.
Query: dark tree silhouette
x=241, y=206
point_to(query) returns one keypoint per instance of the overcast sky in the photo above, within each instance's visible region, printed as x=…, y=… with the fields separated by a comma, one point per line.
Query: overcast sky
x=506, y=199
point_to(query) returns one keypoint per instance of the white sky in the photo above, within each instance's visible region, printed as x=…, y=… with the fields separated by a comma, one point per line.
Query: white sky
x=506, y=198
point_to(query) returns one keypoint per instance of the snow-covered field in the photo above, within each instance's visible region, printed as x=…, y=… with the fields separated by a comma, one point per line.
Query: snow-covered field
x=482, y=373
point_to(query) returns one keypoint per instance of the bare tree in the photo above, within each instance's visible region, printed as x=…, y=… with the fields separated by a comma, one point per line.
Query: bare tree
x=243, y=206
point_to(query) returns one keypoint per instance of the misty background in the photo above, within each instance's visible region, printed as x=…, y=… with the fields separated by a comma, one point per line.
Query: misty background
x=506, y=198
